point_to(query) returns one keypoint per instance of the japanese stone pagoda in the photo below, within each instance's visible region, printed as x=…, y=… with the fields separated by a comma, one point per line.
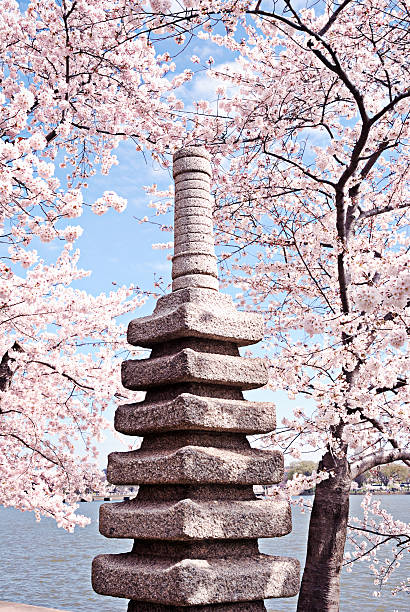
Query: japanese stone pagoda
x=196, y=520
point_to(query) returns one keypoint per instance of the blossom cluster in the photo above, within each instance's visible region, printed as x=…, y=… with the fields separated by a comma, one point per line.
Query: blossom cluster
x=60, y=101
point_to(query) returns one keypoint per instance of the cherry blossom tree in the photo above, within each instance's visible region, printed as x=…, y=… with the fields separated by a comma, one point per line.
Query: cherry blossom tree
x=59, y=371
x=309, y=132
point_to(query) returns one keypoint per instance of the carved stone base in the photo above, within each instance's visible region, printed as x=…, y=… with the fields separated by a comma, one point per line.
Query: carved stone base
x=246, y=606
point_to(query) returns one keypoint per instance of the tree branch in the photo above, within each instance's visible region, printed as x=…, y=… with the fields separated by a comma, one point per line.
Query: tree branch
x=6, y=373
x=379, y=458
x=32, y=448
x=380, y=210
x=333, y=17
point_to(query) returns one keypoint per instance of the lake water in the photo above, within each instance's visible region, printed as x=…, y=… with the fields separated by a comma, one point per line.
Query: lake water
x=43, y=565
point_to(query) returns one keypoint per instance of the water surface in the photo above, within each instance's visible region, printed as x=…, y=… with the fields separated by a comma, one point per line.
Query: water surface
x=43, y=565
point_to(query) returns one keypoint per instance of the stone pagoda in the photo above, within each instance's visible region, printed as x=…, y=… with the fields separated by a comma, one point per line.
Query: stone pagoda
x=196, y=520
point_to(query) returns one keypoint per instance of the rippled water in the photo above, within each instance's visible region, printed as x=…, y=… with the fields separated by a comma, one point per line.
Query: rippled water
x=43, y=565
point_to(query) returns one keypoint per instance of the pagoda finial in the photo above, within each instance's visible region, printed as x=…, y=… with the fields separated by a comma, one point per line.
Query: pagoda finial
x=194, y=261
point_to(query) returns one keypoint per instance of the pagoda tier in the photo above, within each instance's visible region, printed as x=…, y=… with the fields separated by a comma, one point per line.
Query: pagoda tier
x=195, y=521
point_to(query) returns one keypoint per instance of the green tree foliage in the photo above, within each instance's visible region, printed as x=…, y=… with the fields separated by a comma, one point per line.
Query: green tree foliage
x=393, y=472
x=387, y=474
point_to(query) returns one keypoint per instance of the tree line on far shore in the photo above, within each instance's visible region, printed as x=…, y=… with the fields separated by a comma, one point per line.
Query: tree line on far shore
x=389, y=476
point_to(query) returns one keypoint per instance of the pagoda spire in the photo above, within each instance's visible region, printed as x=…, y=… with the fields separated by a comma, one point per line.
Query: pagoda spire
x=194, y=261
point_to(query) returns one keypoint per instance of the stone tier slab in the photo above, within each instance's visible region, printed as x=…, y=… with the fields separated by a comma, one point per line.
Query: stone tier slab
x=194, y=248
x=195, y=581
x=213, y=317
x=191, y=366
x=187, y=239
x=192, y=412
x=191, y=177
x=192, y=151
x=193, y=208
x=196, y=465
x=187, y=519
x=193, y=224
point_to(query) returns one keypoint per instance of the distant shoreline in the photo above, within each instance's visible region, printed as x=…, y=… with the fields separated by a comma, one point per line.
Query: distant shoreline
x=375, y=492
x=107, y=498
x=380, y=492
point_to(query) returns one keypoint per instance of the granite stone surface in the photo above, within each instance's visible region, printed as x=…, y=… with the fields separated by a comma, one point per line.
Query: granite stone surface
x=188, y=237
x=195, y=581
x=181, y=180
x=190, y=366
x=194, y=263
x=195, y=280
x=205, y=319
x=191, y=412
x=193, y=197
x=194, y=248
x=250, y=606
x=194, y=164
x=195, y=521
x=188, y=519
x=193, y=464
x=192, y=181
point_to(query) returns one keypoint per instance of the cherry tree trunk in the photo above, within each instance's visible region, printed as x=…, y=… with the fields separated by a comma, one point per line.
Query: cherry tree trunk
x=320, y=589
